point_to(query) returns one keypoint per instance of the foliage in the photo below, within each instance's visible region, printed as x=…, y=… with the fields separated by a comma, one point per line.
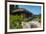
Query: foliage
x=13, y=7
x=15, y=21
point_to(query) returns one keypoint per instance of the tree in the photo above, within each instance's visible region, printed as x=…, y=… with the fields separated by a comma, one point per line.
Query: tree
x=13, y=7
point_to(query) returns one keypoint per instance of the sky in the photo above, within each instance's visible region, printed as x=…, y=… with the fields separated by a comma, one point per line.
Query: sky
x=34, y=9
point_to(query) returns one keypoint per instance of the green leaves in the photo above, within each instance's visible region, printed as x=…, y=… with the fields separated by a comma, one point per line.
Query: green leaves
x=15, y=21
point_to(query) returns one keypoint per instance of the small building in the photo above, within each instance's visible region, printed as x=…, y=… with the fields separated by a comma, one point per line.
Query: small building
x=22, y=11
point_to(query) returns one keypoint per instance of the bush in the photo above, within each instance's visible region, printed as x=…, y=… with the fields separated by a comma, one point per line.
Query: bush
x=15, y=21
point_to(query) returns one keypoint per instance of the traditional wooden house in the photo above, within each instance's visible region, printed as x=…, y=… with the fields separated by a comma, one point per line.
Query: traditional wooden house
x=22, y=11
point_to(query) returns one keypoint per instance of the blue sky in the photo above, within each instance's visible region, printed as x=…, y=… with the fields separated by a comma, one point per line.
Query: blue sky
x=34, y=9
